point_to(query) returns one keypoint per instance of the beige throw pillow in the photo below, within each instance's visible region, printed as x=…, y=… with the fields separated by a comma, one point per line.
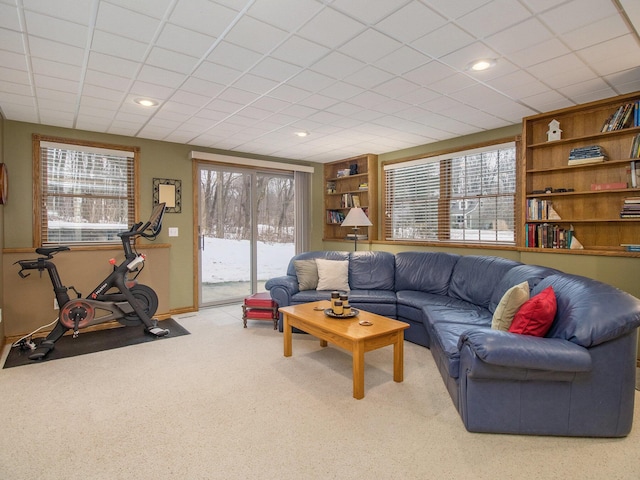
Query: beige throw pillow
x=307, y=273
x=333, y=274
x=509, y=305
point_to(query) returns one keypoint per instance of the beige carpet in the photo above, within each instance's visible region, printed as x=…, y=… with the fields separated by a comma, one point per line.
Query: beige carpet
x=223, y=403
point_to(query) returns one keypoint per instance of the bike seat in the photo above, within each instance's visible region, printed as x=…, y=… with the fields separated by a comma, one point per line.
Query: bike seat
x=48, y=251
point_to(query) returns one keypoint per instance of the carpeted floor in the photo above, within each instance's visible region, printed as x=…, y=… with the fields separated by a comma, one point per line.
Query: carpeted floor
x=95, y=341
x=224, y=403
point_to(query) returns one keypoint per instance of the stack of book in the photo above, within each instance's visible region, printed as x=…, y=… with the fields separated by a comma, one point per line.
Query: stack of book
x=547, y=235
x=624, y=116
x=630, y=208
x=334, y=216
x=586, y=155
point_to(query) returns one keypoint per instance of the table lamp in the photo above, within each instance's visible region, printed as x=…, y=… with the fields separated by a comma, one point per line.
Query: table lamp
x=356, y=218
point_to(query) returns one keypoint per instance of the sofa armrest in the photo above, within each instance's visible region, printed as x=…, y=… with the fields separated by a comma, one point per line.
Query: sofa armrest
x=282, y=289
x=506, y=349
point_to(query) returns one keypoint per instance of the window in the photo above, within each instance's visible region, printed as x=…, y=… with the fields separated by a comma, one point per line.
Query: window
x=86, y=192
x=463, y=197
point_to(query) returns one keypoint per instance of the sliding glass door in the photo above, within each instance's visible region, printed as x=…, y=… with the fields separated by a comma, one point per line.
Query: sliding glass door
x=246, y=231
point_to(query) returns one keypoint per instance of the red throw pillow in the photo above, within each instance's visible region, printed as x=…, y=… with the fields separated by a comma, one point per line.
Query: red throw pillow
x=536, y=314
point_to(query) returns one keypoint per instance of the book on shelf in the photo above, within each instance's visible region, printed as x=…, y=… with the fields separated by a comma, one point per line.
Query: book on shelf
x=356, y=200
x=335, y=216
x=363, y=186
x=635, y=147
x=609, y=186
x=547, y=235
x=631, y=247
x=624, y=116
x=352, y=236
x=587, y=160
x=587, y=155
x=541, y=210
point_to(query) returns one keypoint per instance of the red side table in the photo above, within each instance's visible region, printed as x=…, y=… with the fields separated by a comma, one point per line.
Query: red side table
x=260, y=306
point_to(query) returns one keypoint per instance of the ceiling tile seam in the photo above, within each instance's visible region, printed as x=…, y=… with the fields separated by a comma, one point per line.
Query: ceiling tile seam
x=625, y=18
x=85, y=59
x=163, y=22
x=202, y=59
x=265, y=94
x=27, y=50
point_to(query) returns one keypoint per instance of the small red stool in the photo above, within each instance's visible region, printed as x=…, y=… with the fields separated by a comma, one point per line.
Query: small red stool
x=260, y=306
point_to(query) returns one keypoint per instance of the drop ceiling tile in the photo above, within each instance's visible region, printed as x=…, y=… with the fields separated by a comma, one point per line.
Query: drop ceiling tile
x=271, y=104
x=102, y=92
x=452, y=84
x=396, y=88
x=541, y=52
x=16, y=88
x=13, y=60
x=418, y=96
x=257, y=114
x=519, y=37
x=583, y=92
x=368, y=77
x=238, y=95
x=233, y=56
x=172, y=61
x=160, y=76
x=183, y=111
x=443, y=41
x=13, y=75
x=55, y=69
x=368, y=99
x=150, y=90
x=118, y=46
x=55, y=51
x=61, y=31
x=402, y=60
x=9, y=17
x=411, y=22
x=577, y=14
x=110, y=64
x=289, y=93
x=319, y=102
x=337, y=65
x=275, y=69
x=461, y=59
x=102, y=105
x=370, y=45
x=11, y=41
x=555, y=66
x=342, y=91
x=627, y=81
x=538, y=6
x=493, y=17
x=299, y=51
x=201, y=87
x=91, y=123
x=191, y=99
x=311, y=81
x=183, y=40
x=72, y=10
x=56, y=118
x=101, y=79
x=342, y=28
x=369, y=11
x=224, y=106
x=59, y=84
x=124, y=22
x=202, y=16
x=284, y=14
x=390, y=106
x=546, y=101
x=211, y=115
x=16, y=99
x=453, y=10
x=255, y=35
x=216, y=73
x=152, y=8
x=429, y=73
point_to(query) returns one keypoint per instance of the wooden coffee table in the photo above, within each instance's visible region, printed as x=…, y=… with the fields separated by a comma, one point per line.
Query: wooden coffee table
x=348, y=334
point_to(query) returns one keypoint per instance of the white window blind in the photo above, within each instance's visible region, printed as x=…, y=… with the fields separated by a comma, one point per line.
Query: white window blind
x=87, y=193
x=466, y=197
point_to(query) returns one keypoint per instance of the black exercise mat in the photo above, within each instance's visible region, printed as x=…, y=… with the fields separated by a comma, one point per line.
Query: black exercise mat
x=95, y=341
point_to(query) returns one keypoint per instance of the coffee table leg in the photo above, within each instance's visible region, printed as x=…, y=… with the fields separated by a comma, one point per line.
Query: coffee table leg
x=398, y=358
x=358, y=370
x=287, y=335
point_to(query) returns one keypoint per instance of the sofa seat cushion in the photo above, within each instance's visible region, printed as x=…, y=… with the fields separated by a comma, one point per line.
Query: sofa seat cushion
x=470, y=314
x=307, y=296
x=444, y=338
x=372, y=296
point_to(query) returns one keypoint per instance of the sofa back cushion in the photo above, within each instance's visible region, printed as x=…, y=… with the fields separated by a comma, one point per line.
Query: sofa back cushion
x=329, y=255
x=425, y=271
x=474, y=278
x=532, y=274
x=590, y=312
x=372, y=271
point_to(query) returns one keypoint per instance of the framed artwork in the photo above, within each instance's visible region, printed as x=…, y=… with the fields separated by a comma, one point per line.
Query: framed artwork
x=168, y=191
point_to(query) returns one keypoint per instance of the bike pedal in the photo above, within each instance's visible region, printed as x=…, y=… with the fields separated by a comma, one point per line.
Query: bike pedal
x=157, y=331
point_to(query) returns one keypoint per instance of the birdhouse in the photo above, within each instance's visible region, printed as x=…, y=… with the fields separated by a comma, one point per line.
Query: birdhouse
x=554, y=132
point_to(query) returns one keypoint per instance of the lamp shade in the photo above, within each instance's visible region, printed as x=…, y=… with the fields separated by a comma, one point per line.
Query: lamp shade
x=356, y=218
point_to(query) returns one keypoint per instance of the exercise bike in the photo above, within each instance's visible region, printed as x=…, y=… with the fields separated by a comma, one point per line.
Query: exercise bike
x=118, y=297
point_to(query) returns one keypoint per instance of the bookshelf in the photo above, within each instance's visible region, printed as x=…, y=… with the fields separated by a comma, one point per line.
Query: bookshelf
x=582, y=198
x=348, y=183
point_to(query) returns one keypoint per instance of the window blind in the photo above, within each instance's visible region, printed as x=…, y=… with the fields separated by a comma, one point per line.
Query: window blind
x=464, y=197
x=87, y=193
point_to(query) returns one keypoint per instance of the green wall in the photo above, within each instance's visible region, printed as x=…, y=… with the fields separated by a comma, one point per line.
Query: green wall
x=157, y=160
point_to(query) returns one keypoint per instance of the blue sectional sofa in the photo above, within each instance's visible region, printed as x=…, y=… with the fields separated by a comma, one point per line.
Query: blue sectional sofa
x=578, y=380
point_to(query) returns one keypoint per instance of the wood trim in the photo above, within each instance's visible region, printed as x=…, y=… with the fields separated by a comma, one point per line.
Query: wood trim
x=180, y=311
x=195, y=167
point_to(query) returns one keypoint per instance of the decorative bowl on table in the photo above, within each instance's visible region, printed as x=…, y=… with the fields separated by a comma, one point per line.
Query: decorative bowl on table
x=330, y=313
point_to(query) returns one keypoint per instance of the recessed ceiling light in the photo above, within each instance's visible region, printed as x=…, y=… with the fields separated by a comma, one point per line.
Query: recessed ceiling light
x=301, y=133
x=482, y=64
x=145, y=102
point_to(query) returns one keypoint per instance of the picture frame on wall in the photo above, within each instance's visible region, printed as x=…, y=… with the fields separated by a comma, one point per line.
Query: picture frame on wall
x=168, y=191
